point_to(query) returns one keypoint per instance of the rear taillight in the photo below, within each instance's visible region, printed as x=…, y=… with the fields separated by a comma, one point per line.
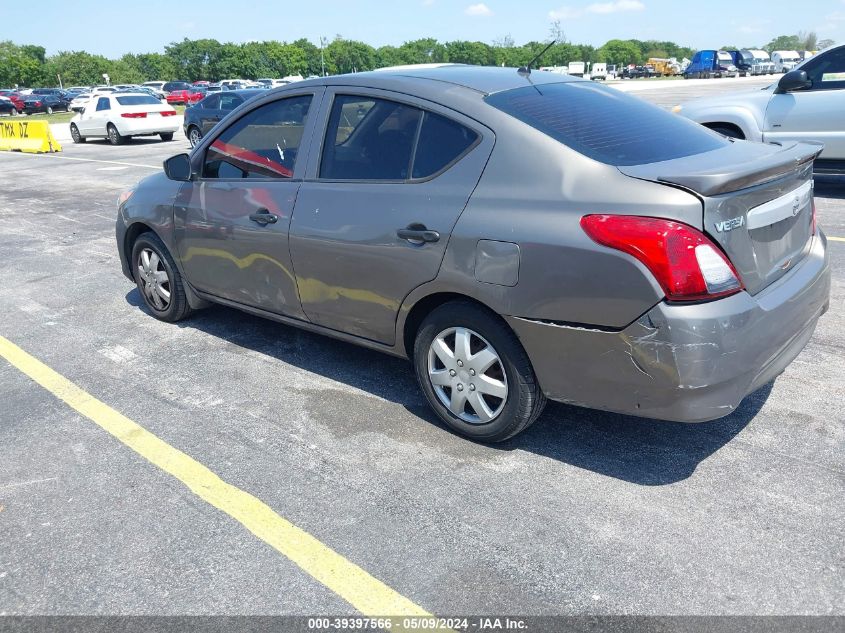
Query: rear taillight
x=687, y=265
x=168, y=113
x=134, y=115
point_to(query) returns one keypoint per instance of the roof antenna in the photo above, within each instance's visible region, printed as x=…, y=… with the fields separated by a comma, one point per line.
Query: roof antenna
x=526, y=70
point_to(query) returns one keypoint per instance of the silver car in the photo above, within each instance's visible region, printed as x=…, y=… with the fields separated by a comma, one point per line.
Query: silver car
x=519, y=236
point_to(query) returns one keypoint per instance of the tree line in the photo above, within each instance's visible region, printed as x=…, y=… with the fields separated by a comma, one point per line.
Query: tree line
x=28, y=65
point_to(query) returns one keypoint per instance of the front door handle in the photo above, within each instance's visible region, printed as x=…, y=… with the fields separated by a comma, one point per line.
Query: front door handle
x=418, y=233
x=263, y=216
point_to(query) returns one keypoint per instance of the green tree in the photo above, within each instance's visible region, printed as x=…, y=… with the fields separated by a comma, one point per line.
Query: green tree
x=809, y=40
x=312, y=56
x=350, y=56
x=388, y=56
x=194, y=59
x=463, y=52
x=783, y=43
x=424, y=51
x=77, y=68
x=621, y=52
x=22, y=65
x=823, y=44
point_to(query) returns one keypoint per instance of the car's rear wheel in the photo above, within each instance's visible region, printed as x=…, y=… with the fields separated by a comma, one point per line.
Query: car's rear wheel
x=14, y=112
x=194, y=135
x=75, y=135
x=166, y=136
x=114, y=136
x=475, y=373
x=158, y=279
x=49, y=110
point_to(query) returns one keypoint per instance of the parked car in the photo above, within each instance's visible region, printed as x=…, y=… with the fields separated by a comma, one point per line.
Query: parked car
x=15, y=97
x=201, y=117
x=46, y=103
x=7, y=106
x=185, y=97
x=80, y=101
x=155, y=85
x=805, y=105
x=500, y=235
x=785, y=60
x=120, y=116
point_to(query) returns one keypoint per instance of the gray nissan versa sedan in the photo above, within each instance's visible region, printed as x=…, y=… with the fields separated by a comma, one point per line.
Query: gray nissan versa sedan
x=519, y=236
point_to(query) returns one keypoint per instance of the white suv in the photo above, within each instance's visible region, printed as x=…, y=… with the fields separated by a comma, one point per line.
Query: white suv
x=807, y=104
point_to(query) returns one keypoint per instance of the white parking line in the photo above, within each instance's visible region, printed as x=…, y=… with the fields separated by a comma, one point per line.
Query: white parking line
x=117, y=168
x=94, y=160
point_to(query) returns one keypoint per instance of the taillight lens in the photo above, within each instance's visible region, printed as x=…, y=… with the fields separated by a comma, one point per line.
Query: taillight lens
x=134, y=115
x=168, y=113
x=687, y=265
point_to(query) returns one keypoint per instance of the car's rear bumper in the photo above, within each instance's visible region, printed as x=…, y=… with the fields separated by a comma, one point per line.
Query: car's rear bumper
x=688, y=363
x=141, y=127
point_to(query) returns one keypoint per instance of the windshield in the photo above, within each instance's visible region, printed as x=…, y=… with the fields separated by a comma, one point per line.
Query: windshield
x=605, y=124
x=130, y=100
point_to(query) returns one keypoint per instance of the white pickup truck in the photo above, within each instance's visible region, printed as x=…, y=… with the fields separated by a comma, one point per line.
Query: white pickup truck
x=806, y=104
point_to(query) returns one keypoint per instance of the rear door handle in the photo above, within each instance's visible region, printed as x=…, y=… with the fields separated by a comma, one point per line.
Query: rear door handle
x=418, y=233
x=263, y=216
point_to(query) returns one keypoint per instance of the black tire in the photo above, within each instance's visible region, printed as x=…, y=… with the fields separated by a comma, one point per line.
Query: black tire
x=727, y=131
x=194, y=135
x=49, y=110
x=177, y=308
x=166, y=136
x=75, y=135
x=523, y=402
x=14, y=112
x=114, y=136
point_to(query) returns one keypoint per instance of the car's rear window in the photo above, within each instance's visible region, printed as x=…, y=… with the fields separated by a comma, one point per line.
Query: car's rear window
x=131, y=100
x=606, y=124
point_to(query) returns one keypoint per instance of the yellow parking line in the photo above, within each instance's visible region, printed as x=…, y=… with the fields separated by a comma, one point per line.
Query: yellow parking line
x=836, y=239
x=367, y=594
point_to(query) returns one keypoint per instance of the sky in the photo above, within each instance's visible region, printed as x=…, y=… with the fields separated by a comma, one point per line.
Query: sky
x=113, y=28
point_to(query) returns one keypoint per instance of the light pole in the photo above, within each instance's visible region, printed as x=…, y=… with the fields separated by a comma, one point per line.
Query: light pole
x=322, y=57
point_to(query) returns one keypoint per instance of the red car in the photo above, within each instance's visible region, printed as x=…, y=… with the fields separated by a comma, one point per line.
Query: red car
x=186, y=97
x=15, y=97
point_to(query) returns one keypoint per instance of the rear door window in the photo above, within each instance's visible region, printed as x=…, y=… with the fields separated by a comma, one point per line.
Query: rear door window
x=261, y=144
x=379, y=139
x=605, y=124
x=369, y=139
x=442, y=142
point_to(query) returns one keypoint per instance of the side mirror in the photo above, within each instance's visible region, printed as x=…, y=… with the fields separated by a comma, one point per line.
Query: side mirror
x=793, y=80
x=178, y=167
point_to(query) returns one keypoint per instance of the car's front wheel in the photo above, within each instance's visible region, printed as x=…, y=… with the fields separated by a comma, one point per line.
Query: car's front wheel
x=158, y=279
x=475, y=373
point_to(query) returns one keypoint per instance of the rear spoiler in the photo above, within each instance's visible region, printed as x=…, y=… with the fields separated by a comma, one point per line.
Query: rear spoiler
x=740, y=165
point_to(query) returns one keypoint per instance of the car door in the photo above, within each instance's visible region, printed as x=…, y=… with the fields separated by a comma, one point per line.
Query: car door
x=93, y=120
x=374, y=216
x=816, y=113
x=227, y=103
x=231, y=222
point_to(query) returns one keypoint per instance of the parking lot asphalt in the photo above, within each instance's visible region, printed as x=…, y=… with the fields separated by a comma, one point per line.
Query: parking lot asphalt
x=585, y=513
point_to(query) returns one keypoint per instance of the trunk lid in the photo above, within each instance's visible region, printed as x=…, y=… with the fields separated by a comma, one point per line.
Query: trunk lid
x=757, y=202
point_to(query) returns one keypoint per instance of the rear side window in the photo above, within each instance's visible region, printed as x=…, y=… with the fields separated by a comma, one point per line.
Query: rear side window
x=131, y=100
x=605, y=124
x=230, y=102
x=379, y=139
x=441, y=142
x=103, y=104
x=262, y=143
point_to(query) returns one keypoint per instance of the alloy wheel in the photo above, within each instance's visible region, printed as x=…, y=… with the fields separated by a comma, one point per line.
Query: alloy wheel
x=155, y=281
x=467, y=375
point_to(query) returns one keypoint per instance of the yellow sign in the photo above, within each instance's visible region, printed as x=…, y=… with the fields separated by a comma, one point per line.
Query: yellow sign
x=33, y=137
